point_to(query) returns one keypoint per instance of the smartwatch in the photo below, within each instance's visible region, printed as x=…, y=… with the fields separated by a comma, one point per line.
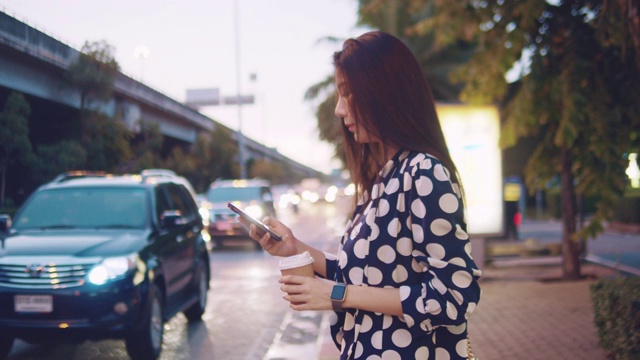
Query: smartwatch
x=338, y=294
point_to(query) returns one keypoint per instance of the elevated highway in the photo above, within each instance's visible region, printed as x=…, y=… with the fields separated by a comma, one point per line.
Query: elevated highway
x=35, y=64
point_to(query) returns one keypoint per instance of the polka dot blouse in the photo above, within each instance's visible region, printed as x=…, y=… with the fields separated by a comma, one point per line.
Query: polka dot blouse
x=410, y=235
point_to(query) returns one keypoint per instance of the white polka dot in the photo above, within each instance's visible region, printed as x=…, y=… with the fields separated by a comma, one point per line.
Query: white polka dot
x=422, y=353
x=405, y=291
x=400, y=274
x=401, y=338
x=408, y=320
x=359, y=349
x=392, y=186
x=436, y=251
x=438, y=286
x=394, y=227
x=461, y=234
x=440, y=173
x=467, y=249
x=349, y=322
x=440, y=227
x=457, y=296
x=370, y=218
x=373, y=357
x=440, y=264
x=416, y=159
x=448, y=203
x=418, y=209
x=367, y=323
x=442, y=354
x=420, y=307
x=374, y=275
x=333, y=318
x=407, y=182
x=458, y=261
x=457, y=330
x=418, y=233
x=416, y=266
x=342, y=262
x=461, y=279
x=452, y=311
x=383, y=208
x=470, y=308
x=386, y=254
x=374, y=231
x=461, y=348
x=400, y=205
x=387, y=321
x=426, y=164
x=355, y=231
x=391, y=355
x=361, y=248
x=424, y=186
x=433, y=307
x=376, y=340
x=404, y=246
x=375, y=191
x=356, y=275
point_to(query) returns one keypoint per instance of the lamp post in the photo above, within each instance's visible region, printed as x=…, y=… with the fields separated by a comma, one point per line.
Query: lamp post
x=241, y=148
x=141, y=52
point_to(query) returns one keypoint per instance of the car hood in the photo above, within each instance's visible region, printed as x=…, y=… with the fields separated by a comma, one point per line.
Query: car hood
x=79, y=243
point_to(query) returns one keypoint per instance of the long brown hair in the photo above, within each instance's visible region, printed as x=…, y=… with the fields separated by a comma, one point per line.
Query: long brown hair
x=391, y=98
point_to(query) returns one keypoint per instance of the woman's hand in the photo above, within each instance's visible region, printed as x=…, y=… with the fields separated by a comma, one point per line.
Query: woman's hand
x=286, y=247
x=307, y=293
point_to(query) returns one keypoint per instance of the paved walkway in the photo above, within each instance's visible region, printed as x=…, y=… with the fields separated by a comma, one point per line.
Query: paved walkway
x=526, y=311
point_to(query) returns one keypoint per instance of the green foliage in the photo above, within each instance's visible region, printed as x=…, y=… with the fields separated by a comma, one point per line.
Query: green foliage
x=52, y=160
x=94, y=72
x=14, y=135
x=616, y=306
x=106, y=141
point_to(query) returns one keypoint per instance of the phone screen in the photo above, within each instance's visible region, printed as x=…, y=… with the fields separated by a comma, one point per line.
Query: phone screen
x=262, y=228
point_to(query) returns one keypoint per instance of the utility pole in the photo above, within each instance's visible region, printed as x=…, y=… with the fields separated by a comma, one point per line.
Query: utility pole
x=241, y=148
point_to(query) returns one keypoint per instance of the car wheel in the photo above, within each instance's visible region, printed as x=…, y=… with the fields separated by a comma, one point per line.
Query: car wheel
x=195, y=311
x=145, y=343
x=6, y=343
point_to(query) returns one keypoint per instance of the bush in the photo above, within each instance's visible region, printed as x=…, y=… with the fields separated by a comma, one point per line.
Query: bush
x=616, y=307
x=628, y=208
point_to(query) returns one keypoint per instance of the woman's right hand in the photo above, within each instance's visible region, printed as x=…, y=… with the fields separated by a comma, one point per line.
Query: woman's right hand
x=285, y=247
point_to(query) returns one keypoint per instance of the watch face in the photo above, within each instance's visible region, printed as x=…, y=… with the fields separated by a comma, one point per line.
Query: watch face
x=338, y=291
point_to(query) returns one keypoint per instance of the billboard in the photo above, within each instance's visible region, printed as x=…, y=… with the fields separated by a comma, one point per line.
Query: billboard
x=472, y=134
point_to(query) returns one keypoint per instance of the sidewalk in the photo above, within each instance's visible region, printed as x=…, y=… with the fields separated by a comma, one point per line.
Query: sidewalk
x=526, y=310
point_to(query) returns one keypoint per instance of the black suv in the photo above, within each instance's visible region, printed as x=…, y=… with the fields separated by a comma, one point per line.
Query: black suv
x=97, y=256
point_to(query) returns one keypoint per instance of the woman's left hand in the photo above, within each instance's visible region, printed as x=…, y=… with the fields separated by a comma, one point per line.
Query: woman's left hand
x=307, y=293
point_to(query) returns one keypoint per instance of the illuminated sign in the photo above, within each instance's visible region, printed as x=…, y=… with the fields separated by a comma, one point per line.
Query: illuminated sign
x=472, y=134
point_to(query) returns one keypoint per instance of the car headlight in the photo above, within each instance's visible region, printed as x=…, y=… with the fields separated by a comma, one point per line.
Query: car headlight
x=111, y=268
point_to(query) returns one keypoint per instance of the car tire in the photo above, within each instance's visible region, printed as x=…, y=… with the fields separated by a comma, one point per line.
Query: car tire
x=145, y=342
x=195, y=311
x=6, y=343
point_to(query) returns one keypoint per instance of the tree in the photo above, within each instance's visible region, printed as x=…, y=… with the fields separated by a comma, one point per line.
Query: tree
x=107, y=142
x=404, y=20
x=57, y=158
x=94, y=72
x=577, y=88
x=14, y=134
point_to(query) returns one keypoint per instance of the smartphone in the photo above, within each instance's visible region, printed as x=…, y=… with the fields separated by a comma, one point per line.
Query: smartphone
x=262, y=228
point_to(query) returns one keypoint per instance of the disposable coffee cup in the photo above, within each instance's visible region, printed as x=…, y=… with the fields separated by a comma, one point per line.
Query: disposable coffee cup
x=301, y=264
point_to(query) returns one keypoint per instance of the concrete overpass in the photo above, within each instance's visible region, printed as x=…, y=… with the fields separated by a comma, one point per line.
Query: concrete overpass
x=35, y=63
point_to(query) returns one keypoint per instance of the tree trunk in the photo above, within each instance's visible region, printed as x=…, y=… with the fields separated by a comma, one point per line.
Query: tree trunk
x=570, y=248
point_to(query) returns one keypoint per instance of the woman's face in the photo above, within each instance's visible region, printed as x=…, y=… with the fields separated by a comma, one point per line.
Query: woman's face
x=343, y=111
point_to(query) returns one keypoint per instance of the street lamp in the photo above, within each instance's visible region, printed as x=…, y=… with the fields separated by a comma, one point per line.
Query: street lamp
x=141, y=52
x=241, y=148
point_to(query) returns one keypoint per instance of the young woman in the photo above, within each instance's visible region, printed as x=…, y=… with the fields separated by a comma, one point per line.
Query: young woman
x=403, y=283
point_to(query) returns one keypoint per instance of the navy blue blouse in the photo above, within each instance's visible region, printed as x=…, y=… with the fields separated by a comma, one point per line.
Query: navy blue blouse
x=410, y=235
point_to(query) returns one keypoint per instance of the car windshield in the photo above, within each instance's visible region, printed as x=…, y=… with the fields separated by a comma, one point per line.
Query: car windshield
x=84, y=208
x=226, y=194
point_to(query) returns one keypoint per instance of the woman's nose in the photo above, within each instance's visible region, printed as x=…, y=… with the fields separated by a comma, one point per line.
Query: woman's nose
x=340, y=110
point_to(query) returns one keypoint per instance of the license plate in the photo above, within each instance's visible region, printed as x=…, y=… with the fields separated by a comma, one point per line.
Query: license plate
x=33, y=303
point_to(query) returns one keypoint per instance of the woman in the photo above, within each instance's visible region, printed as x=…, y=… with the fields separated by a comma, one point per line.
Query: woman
x=403, y=284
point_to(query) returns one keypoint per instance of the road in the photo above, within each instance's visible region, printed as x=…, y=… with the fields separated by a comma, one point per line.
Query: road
x=245, y=309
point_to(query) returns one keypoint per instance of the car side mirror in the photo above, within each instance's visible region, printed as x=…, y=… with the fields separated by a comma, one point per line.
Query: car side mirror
x=171, y=218
x=5, y=223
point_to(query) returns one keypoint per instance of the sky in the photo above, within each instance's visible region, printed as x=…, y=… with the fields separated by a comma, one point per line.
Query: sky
x=202, y=44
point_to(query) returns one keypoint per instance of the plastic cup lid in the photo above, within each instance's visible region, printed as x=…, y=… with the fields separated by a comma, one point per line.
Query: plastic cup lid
x=296, y=261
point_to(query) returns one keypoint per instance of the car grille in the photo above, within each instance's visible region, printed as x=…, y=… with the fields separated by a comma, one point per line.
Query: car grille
x=51, y=276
